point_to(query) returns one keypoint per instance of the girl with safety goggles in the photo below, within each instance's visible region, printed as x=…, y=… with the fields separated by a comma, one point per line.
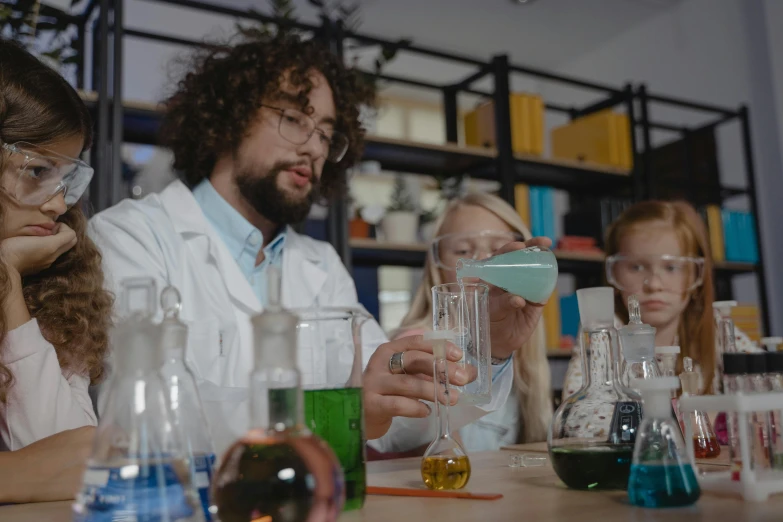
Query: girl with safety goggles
x=55, y=313
x=476, y=226
x=659, y=251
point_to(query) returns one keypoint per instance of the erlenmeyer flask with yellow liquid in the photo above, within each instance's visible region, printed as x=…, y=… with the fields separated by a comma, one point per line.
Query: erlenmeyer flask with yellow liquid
x=530, y=273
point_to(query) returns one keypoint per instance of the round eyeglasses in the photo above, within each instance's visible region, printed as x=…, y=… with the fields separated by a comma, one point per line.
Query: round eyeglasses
x=297, y=127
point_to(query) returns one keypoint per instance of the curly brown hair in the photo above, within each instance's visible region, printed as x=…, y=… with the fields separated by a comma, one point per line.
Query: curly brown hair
x=68, y=299
x=218, y=100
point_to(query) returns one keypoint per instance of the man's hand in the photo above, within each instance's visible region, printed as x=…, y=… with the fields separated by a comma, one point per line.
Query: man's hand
x=32, y=254
x=387, y=395
x=511, y=318
x=48, y=470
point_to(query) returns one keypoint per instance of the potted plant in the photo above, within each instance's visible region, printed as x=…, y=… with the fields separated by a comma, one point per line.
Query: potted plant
x=44, y=30
x=401, y=221
x=427, y=223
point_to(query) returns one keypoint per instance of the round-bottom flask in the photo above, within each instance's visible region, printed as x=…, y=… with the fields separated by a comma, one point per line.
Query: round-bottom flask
x=593, y=431
x=445, y=464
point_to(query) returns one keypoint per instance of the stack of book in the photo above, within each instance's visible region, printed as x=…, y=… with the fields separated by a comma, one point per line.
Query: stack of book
x=536, y=207
x=527, y=124
x=603, y=137
x=732, y=234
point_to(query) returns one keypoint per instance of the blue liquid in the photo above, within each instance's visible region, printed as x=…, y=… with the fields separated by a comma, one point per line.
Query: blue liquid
x=138, y=491
x=530, y=273
x=202, y=468
x=658, y=486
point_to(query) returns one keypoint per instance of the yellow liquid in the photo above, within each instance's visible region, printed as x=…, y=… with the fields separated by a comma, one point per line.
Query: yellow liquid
x=445, y=472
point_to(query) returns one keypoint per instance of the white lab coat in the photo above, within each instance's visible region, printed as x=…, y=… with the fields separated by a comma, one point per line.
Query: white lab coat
x=167, y=237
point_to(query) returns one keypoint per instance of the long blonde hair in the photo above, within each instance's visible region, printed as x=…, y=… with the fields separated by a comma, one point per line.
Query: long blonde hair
x=531, y=368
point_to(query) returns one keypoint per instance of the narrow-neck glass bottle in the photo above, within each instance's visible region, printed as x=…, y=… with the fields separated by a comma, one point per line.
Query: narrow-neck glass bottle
x=278, y=471
x=593, y=431
x=637, y=341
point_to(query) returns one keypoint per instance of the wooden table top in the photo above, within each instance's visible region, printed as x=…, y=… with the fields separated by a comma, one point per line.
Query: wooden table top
x=530, y=494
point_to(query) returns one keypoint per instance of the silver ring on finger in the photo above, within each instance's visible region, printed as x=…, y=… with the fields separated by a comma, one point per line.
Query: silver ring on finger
x=397, y=364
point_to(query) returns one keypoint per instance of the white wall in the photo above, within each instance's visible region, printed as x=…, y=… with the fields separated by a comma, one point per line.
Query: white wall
x=704, y=50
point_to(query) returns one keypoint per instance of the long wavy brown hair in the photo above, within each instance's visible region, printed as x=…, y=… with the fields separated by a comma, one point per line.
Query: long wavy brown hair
x=68, y=299
x=696, y=330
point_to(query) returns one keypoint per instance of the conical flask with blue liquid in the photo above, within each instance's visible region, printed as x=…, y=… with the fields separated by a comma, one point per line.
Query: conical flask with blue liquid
x=662, y=474
x=138, y=469
x=186, y=407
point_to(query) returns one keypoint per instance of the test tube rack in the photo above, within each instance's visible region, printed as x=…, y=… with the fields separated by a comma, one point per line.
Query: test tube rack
x=753, y=485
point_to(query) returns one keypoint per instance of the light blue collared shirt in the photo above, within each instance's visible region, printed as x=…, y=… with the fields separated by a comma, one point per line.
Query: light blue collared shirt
x=241, y=237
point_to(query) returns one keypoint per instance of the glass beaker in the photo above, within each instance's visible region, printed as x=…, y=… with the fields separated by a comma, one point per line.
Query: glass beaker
x=662, y=475
x=138, y=468
x=330, y=359
x=468, y=318
x=593, y=431
x=530, y=273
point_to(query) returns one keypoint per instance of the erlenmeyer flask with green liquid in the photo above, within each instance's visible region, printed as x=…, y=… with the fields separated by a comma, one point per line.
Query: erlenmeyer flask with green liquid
x=530, y=273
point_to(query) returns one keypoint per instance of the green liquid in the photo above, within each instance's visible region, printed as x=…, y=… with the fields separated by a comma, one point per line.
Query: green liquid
x=604, y=466
x=335, y=415
x=530, y=273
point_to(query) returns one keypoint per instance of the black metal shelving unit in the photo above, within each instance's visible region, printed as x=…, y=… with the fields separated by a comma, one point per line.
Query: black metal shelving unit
x=719, y=116
x=118, y=123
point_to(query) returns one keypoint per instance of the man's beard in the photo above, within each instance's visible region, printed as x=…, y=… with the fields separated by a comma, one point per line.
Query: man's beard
x=271, y=201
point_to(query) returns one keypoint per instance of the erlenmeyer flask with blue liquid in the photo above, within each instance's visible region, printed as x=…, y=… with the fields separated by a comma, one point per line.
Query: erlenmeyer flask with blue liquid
x=139, y=468
x=662, y=474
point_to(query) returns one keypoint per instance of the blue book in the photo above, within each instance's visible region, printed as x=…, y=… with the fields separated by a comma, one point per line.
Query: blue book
x=536, y=216
x=548, y=212
x=569, y=316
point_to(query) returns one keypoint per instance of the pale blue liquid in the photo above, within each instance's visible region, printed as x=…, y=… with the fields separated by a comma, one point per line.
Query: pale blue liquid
x=530, y=273
x=659, y=486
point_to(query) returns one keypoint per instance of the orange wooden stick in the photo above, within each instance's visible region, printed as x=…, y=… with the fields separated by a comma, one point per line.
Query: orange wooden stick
x=412, y=492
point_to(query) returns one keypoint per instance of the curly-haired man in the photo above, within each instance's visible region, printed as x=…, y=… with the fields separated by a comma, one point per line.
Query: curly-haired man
x=259, y=131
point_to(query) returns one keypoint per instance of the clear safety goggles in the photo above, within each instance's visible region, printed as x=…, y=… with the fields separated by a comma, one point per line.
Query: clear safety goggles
x=446, y=250
x=36, y=175
x=675, y=273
